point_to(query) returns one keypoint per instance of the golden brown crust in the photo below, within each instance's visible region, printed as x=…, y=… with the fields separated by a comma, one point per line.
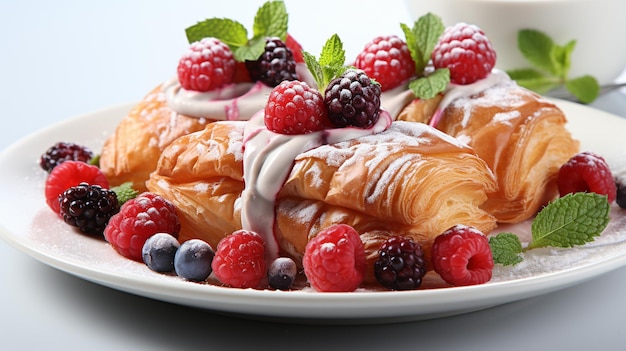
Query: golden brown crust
x=410, y=180
x=131, y=153
x=522, y=137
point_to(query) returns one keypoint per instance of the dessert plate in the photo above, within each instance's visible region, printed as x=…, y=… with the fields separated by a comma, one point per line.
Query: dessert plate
x=28, y=225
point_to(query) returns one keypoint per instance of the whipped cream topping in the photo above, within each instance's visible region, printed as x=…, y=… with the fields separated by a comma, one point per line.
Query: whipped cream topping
x=233, y=102
x=268, y=158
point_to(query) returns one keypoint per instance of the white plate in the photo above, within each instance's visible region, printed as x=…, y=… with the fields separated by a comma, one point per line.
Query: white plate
x=31, y=227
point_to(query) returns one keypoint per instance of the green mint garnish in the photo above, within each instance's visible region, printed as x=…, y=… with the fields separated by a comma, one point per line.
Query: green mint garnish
x=421, y=40
x=330, y=65
x=270, y=21
x=95, y=160
x=551, y=65
x=125, y=192
x=574, y=219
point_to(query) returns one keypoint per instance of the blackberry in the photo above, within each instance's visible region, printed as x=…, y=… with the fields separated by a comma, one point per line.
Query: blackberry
x=63, y=151
x=621, y=192
x=400, y=264
x=88, y=207
x=275, y=65
x=353, y=100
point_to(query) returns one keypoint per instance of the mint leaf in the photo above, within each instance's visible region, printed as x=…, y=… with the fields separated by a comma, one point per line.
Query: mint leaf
x=330, y=65
x=271, y=20
x=573, y=219
x=232, y=33
x=431, y=85
x=251, y=51
x=125, y=192
x=422, y=38
x=533, y=79
x=539, y=49
x=585, y=88
x=506, y=249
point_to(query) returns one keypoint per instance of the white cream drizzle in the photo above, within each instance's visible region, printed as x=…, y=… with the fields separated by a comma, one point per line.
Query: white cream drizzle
x=268, y=159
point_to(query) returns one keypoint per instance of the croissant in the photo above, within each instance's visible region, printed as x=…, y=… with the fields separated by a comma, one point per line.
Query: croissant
x=522, y=137
x=409, y=180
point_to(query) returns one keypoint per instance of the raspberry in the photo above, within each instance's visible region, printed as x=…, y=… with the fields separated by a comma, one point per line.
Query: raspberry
x=138, y=219
x=334, y=260
x=208, y=64
x=400, y=264
x=295, y=47
x=275, y=65
x=386, y=59
x=466, y=51
x=295, y=108
x=240, y=260
x=353, y=100
x=587, y=171
x=67, y=175
x=61, y=152
x=88, y=207
x=461, y=256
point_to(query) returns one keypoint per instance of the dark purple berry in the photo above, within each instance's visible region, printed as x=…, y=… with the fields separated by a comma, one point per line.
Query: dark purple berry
x=275, y=65
x=193, y=259
x=281, y=273
x=88, y=207
x=158, y=252
x=61, y=152
x=400, y=264
x=353, y=100
x=621, y=192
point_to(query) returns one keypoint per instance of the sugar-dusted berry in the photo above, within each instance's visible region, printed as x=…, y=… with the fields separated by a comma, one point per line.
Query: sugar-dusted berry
x=353, y=99
x=587, y=171
x=400, y=264
x=293, y=107
x=386, y=59
x=334, y=260
x=275, y=65
x=282, y=273
x=466, y=51
x=193, y=260
x=67, y=175
x=240, y=260
x=158, y=252
x=462, y=256
x=64, y=151
x=208, y=64
x=88, y=207
x=138, y=219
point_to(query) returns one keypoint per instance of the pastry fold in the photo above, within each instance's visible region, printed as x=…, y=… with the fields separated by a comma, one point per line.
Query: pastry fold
x=410, y=180
x=131, y=153
x=522, y=137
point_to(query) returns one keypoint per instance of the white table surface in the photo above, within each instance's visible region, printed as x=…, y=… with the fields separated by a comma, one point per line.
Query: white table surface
x=63, y=58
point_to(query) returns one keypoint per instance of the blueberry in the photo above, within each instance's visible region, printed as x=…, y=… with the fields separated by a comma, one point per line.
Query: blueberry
x=282, y=273
x=158, y=252
x=193, y=260
x=621, y=192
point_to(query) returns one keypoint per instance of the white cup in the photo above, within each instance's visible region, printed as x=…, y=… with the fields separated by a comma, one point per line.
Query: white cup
x=598, y=26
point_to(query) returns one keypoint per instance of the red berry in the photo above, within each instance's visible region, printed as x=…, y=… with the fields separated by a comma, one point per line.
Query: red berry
x=295, y=48
x=207, y=65
x=295, y=108
x=386, y=59
x=462, y=256
x=240, y=260
x=466, y=51
x=67, y=175
x=587, y=171
x=334, y=260
x=138, y=219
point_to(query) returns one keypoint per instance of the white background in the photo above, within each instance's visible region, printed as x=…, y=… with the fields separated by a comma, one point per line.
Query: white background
x=64, y=58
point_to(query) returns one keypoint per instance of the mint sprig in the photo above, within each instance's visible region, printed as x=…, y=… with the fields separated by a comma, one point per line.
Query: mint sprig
x=331, y=63
x=551, y=64
x=421, y=39
x=574, y=219
x=124, y=192
x=270, y=21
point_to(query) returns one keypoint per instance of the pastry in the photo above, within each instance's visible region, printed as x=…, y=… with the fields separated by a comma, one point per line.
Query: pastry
x=409, y=180
x=522, y=137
